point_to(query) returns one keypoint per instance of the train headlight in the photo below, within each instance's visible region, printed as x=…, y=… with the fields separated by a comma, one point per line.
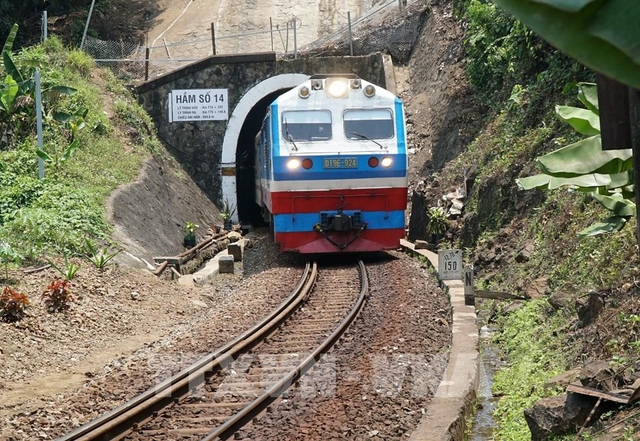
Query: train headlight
x=337, y=88
x=293, y=164
x=369, y=91
x=386, y=162
x=303, y=92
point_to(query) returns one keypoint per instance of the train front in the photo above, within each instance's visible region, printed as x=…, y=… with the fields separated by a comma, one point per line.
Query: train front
x=339, y=179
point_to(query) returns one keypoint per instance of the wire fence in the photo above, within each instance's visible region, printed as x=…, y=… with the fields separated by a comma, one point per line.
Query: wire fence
x=392, y=27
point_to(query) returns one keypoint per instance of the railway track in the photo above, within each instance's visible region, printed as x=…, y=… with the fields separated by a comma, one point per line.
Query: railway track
x=223, y=391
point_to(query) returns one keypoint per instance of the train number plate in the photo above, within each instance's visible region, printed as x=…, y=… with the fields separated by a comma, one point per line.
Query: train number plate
x=340, y=163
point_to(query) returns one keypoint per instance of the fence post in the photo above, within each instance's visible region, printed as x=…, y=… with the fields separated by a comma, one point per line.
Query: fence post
x=271, y=27
x=350, y=35
x=213, y=37
x=39, y=123
x=146, y=63
x=45, y=26
x=86, y=26
x=295, y=38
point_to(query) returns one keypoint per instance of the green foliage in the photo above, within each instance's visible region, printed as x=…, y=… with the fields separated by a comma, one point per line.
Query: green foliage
x=437, y=222
x=84, y=154
x=190, y=228
x=601, y=35
x=100, y=257
x=535, y=354
x=57, y=296
x=12, y=305
x=81, y=62
x=68, y=270
x=585, y=167
x=8, y=255
x=228, y=210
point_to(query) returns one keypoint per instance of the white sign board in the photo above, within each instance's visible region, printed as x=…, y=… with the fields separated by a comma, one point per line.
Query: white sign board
x=199, y=105
x=450, y=264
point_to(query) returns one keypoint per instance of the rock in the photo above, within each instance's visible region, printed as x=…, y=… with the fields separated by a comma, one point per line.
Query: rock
x=563, y=380
x=598, y=374
x=537, y=289
x=557, y=415
x=225, y=264
x=525, y=252
x=590, y=308
x=135, y=295
x=421, y=245
x=560, y=300
x=418, y=219
x=234, y=236
x=235, y=250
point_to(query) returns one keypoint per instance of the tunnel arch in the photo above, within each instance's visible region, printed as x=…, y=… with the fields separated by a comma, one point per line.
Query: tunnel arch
x=252, y=102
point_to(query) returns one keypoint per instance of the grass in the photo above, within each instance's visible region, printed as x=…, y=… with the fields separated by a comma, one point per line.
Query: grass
x=55, y=215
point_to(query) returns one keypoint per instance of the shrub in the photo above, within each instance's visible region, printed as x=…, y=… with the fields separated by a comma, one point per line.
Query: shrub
x=12, y=305
x=57, y=297
x=100, y=257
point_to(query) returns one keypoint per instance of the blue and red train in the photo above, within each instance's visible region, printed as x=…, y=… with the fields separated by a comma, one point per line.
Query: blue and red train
x=331, y=167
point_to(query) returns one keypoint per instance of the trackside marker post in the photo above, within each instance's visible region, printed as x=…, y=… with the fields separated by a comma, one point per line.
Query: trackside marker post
x=450, y=264
x=469, y=295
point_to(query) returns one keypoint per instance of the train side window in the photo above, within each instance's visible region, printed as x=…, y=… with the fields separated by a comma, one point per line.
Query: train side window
x=368, y=124
x=306, y=125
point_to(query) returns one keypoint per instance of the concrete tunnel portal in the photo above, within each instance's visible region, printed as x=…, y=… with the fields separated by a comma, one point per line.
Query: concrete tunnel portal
x=238, y=185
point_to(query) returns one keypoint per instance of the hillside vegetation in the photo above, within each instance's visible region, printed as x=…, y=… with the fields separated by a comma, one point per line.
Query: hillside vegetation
x=527, y=242
x=95, y=137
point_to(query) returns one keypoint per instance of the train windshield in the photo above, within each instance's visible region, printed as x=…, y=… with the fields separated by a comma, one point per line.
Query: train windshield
x=306, y=125
x=368, y=124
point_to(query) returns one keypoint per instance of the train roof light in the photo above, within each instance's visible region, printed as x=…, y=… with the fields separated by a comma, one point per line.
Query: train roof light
x=316, y=84
x=304, y=92
x=369, y=91
x=355, y=84
x=337, y=87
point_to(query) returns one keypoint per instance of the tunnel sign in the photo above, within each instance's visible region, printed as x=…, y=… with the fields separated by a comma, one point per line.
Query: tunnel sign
x=199, y=105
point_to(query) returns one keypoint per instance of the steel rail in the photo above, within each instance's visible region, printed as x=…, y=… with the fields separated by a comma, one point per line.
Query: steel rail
x=247, y=413
x=121, y=419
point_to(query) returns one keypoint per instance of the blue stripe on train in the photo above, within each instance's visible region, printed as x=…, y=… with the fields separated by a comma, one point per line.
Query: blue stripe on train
x=400, y=133
x=301, y=222
x=318, y=172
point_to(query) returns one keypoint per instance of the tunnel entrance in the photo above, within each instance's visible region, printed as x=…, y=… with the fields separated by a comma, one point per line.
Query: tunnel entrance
x=248, y=210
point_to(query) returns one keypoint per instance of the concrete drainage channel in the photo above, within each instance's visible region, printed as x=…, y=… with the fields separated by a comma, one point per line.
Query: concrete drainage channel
x=455, y=399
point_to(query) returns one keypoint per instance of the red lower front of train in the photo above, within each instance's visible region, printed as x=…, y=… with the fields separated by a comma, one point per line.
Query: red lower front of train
x=339, y=221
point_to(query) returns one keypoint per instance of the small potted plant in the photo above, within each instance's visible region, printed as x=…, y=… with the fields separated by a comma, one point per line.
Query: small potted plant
x=226, y=214
x=437, y=223
x=190, y=234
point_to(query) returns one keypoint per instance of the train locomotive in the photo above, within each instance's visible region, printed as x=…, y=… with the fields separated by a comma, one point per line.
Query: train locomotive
x=331, y=167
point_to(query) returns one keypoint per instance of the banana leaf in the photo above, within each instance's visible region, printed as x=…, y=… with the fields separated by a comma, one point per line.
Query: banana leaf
x=583, y=120
x=602, y=35
x=608, y=225
x=8, y=43
x=585, y=156
x=535, y=181
x=588, y=95
x=616, y=204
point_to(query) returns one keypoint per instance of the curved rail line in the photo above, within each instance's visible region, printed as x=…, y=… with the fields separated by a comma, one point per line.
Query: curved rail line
x=143, y=408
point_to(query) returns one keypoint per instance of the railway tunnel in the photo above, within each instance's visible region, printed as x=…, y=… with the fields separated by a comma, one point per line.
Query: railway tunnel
x=248, y=210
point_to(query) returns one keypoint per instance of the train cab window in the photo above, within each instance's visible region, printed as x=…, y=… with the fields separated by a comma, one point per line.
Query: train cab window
x=306, y=125
x=368, y=124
